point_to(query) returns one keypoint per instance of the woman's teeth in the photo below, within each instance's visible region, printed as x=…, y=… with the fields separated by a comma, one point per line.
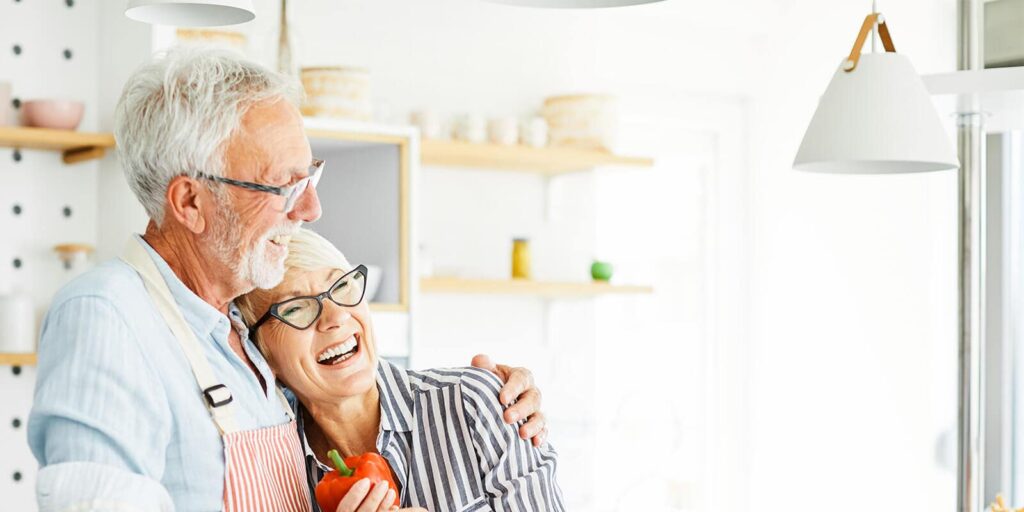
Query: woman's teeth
x=338, y=353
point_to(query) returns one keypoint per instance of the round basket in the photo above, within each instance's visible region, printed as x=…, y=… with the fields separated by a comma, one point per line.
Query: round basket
x=586, y=121
x=338, y=92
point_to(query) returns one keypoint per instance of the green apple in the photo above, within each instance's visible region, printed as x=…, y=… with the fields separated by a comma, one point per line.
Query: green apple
x=601, y=270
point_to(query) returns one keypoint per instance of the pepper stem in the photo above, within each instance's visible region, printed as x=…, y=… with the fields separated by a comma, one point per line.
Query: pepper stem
x=339, y=464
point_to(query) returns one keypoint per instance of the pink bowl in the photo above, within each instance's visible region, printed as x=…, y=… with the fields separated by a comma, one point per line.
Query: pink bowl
x=56, y=114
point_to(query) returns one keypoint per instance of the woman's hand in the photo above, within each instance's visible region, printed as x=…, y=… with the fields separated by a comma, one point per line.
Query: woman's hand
x=364, y=497
x=518, y=387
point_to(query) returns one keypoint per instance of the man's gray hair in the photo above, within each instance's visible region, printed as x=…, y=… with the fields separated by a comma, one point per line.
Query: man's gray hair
x=177, y=113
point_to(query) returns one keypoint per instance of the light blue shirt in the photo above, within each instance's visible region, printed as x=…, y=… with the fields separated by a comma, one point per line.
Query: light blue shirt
x=118, y=421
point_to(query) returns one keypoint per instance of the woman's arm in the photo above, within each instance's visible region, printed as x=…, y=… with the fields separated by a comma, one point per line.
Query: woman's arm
x=516, y=475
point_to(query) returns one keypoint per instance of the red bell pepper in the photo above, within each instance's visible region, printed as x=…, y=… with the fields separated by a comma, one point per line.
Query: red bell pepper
x=335, y=485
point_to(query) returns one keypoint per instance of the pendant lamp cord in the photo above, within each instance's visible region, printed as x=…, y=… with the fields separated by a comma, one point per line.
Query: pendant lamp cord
x=874, y=10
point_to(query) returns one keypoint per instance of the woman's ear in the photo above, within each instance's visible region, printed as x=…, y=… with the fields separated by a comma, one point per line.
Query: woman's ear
x=189, y=203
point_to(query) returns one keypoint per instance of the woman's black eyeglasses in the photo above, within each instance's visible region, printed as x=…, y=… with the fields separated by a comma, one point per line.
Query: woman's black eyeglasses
x=302, y=312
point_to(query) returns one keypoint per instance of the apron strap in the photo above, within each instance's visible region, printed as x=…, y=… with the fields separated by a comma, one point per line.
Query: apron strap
x=287, y=406
x=216, y=395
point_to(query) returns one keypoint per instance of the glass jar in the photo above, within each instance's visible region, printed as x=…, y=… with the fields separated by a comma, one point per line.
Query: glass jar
x=520, y=258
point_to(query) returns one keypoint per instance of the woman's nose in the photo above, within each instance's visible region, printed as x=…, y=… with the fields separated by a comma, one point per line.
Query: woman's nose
x=333, y=316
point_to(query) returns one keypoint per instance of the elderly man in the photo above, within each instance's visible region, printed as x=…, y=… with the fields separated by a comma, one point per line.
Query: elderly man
x=149, y=394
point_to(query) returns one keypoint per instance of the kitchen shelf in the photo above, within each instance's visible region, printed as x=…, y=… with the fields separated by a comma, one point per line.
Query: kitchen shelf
x=74, y=146
x=975, y=81
x=549, y=160
x=17, y=359
x=998, y=93
x=526, y=287
x=388, y=307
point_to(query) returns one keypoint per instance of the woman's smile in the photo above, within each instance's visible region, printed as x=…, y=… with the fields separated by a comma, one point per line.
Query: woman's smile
x=337, y=354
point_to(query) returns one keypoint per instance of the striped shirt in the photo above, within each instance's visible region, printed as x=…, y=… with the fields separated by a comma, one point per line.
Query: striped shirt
x=442, y=433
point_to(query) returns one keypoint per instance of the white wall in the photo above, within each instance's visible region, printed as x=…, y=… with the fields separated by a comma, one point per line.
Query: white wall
x=42, y=186
x=854, y=347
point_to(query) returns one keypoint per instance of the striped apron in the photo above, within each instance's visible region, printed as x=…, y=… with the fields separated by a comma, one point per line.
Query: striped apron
x=263, y=468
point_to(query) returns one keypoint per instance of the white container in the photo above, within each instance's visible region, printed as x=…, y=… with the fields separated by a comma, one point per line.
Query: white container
x=429, y=123
x=534, y=132
x=17, y=324
x=587, y=121
x=6, y=112
x=471, y=128
x=504, y=131
x=337, y=92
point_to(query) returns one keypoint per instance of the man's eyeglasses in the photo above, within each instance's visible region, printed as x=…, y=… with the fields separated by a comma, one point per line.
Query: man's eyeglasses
x=291, y=193
x=302, y=312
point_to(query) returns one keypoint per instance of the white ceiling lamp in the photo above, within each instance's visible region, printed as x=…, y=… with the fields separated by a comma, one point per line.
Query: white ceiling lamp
x=876, y=117
x=573, y=4
x=194, y=13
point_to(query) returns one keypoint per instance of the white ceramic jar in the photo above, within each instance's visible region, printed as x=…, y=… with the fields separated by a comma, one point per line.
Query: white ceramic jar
x=471, y=128
x=534, y=132
x=503, y=130
x=429, y=123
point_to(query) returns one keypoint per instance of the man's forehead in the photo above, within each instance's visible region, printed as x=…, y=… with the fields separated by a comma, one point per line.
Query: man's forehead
x=270, y=148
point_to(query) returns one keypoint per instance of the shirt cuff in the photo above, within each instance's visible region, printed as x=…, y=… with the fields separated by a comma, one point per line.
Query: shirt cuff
x=92, y=487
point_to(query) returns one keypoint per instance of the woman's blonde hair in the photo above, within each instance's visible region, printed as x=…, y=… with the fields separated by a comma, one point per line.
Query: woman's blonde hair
x=307, y=251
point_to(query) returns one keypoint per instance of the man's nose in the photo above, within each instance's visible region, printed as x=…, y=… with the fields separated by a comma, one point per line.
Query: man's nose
x=307, y=208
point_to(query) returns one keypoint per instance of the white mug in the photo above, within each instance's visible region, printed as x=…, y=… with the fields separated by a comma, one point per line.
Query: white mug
x=471, y=128
x=504, y=131
x=534, y=132
x=428, y=122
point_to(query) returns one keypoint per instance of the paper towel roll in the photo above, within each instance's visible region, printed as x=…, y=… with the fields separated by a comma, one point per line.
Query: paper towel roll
x=17, y=324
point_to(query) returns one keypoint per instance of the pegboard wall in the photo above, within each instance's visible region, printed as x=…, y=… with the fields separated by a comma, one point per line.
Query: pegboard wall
x=48, y=49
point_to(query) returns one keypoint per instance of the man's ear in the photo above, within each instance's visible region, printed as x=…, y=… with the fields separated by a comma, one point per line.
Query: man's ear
x=189, y=203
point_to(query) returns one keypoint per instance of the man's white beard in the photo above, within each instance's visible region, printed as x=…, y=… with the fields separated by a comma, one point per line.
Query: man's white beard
x=250, y=265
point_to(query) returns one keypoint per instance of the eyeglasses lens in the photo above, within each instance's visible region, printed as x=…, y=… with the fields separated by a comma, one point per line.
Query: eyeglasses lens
x=300, y=312
x=349, y=291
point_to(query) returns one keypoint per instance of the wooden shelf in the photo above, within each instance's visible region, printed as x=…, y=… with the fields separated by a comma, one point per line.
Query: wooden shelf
x=388, y=308
x=526, y=287
x=551, y=160
x=17, y=359
x=74, y=146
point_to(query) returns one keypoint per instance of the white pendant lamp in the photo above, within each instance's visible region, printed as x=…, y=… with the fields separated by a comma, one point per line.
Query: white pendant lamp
x=573, y=4
x=876, y=117
x=194, y=13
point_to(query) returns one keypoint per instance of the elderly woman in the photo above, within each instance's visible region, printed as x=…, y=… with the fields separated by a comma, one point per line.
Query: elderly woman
x=441, y=431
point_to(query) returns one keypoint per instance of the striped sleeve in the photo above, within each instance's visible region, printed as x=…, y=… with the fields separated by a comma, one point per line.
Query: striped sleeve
x=516, y=476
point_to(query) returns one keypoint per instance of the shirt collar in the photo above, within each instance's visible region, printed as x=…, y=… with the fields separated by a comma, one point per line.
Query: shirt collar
x=198, y=313
x=396, y=405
